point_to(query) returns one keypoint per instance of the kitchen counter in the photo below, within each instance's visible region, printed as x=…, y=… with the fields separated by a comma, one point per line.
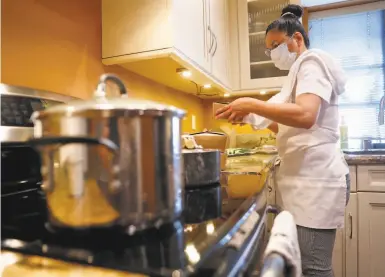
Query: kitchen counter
x=16, y=265
x=199, y=243
x=355, y=159
x=256, y=164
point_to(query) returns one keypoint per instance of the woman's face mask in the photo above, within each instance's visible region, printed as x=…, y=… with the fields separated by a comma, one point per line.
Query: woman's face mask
x=282, y=57
x=283, y=52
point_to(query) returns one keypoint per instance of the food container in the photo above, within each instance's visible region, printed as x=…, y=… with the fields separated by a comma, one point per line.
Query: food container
x=111, y=161
x=211, y=140
x=217, y=106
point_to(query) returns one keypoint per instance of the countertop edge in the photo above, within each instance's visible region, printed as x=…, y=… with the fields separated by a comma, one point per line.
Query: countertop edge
x=356, y=159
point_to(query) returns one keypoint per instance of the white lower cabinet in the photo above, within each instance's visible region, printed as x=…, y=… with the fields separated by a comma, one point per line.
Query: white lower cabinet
x=371, y=230
x=359, y=249
x=345, y=246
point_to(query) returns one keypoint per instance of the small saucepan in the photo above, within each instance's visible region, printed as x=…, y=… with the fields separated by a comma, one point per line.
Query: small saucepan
x=201, y=167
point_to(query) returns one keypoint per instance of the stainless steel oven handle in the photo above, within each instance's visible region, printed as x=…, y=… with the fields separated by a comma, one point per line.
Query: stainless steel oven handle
x=274, y=266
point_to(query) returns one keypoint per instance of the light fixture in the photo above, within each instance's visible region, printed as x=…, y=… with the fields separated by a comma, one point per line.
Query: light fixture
x=207, y=86
x=184, y=72
x=226, y=94
x=210, y=228
x=262, y=92
x=192, y=253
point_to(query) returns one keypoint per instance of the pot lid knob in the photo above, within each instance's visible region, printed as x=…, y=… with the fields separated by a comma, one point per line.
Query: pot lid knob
x=101, y=88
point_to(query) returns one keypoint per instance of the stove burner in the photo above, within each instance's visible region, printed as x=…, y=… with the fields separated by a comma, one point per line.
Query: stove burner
x=112, y=238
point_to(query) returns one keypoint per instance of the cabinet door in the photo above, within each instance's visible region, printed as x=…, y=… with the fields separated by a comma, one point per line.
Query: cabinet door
x=353, y=178
x=256, y=69
x=371, y=230
x=345, y=246
x=131, y=27
x=351, y=237
x=190, y=30
x=371, y=178
x=220, y=51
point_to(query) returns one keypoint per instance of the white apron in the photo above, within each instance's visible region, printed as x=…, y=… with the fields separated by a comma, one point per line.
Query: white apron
x=312, y=174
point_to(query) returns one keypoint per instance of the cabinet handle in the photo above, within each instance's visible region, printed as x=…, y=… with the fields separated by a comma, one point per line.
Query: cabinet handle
x=216, y=44
x=351, y=225
x=204, y=22
x=211, y=39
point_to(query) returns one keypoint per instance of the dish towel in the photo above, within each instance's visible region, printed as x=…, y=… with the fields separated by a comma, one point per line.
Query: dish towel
x=284, y=241
x=330, y=66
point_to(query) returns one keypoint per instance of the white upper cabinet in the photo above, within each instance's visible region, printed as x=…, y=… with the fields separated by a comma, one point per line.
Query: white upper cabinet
x=132, y=27
x=156, y=38
x=190, y=30
x=217, y=29
x=256, y=70
x=222, y=42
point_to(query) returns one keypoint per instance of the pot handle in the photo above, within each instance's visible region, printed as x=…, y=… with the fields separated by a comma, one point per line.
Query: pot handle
x=101, y=88
x=70, y=139
x=36, y=142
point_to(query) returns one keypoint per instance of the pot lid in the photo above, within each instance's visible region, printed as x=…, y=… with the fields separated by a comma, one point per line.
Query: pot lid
x=101, y=102
x=208, y=133
x=196, y=151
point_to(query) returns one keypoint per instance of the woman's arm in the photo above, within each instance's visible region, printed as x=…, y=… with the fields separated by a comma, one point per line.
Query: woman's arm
x=301, y=114
x=273, y=127
x=313, y=86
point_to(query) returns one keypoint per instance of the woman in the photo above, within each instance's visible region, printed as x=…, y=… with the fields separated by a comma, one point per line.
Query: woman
x=313, y=176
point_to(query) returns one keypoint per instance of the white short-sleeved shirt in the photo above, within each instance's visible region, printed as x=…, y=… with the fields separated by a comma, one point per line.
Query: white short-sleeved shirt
x=294, y=142
x=312, y=172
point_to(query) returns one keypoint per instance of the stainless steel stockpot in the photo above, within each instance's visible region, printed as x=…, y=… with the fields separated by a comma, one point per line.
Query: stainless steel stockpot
x=111, y=161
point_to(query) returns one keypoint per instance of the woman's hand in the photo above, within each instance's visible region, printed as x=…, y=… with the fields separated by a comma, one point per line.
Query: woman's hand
x=236, y=110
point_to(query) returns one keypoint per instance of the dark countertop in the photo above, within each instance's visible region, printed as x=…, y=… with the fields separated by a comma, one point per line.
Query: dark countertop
x=198, y=244
x=355, y=159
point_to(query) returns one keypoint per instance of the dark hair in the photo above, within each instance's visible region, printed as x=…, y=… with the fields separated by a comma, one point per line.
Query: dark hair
x=289, y=22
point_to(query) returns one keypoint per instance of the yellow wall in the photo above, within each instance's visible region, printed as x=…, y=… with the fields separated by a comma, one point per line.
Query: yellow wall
x=55, y=45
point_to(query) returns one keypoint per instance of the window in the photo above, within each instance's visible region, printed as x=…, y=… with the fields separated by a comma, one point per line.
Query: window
x=356, y=37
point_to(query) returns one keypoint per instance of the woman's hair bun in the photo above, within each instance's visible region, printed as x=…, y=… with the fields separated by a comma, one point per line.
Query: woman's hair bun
x=291, y=10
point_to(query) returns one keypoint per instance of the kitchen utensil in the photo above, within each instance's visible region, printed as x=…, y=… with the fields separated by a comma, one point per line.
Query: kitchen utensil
x=211, y=140
x=110, y=161
x=201, y=167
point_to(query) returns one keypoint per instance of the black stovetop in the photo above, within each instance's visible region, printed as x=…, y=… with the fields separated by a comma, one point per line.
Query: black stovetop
x=216, y=236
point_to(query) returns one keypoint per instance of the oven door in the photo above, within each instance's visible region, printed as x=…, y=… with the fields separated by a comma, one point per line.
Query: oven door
x=254, y=261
